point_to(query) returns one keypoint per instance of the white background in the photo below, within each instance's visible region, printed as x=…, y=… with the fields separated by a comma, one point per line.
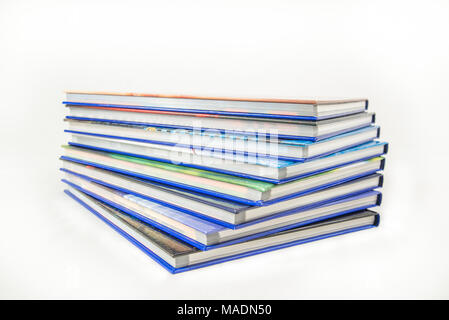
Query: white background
x=396, y=53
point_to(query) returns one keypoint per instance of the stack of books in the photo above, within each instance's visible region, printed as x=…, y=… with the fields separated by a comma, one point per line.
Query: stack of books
x=194, y=181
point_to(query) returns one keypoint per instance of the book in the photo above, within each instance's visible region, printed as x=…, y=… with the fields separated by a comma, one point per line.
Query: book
x=205, y=234
x=224, y=212
x=289, y=129
x=177, y=256
x=217, y=144
x=249, y=191
x=272, y=108
x=269, y=170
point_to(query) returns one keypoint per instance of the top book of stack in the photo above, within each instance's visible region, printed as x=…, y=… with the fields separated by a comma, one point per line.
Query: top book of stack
x=311, y=120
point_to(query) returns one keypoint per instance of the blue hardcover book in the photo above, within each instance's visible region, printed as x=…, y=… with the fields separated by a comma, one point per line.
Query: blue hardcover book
x=251, y=167
x=178, y=256
x=221, y=211
x=293, y=109
x=217, y=144
x=207, y=235
x=282, y=129
x=252, y=192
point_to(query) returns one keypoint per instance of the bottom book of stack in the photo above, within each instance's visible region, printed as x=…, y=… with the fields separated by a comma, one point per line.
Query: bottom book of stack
x=336, y=218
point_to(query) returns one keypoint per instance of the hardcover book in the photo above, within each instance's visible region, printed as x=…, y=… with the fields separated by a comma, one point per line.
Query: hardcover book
x=230, y=187
x=288, y=129
x=207, y=235
x=221, y=211
x=257, y=168
x=270, y=108
x=204, y=142
x=177, y=256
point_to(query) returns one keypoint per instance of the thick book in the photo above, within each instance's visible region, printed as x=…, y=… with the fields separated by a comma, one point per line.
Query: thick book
x=288, y=129
x=177, y=256
x=249, y=191
x=207, y=235
x=225, y=212
x=312, y=109
x=216, y=144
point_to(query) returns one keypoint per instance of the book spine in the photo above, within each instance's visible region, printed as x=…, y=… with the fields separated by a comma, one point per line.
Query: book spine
x=376, y=220
x=379, y=199
x=386, y=148
x=381, y=181
x=382, y=164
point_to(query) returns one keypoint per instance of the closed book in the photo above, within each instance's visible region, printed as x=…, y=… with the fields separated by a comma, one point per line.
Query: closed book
x=311, y=108
x=250, y=191
x=213, y=143
x=177, y=256
x=207, y=235
x=221, y=211
x=251, y=167
x=289, y=129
